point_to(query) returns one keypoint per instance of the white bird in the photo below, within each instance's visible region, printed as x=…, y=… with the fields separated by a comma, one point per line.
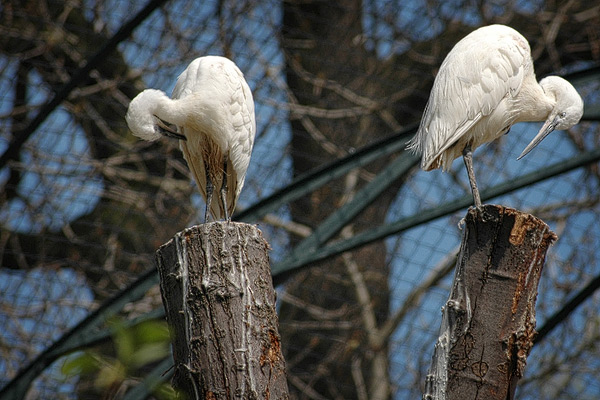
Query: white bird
x=212, y=113
x=485, y=85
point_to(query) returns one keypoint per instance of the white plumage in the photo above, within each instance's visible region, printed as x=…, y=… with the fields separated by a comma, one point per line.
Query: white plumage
x=486, y=84
x=213, y=112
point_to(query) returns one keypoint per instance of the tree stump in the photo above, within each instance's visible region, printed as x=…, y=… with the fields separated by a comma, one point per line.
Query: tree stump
x=488, y=323
x=217, y=291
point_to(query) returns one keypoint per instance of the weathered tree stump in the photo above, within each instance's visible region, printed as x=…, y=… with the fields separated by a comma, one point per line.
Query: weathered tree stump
x=217, y=290
x=488, y=323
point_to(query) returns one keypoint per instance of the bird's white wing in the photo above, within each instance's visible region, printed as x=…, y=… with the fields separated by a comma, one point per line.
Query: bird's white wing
x=242, y=122
x=219, y=89
x=479, y=72
x=187, y=82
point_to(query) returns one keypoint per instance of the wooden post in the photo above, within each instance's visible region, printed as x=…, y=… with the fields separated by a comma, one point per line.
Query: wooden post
x=488, y=323
x=217, y=290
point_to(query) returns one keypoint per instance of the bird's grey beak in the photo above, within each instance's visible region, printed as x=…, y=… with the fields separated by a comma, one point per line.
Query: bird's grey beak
x=168, y=130
x=548, y=127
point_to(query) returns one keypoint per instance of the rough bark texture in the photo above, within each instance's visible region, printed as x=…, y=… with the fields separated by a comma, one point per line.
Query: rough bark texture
x=216, y=284
x=488, y=323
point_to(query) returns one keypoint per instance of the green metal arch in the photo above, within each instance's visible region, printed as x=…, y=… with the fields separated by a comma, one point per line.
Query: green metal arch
x=313, y=248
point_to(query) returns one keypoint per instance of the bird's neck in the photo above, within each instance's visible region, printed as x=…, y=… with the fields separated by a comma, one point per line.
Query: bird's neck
x=534, y=103
x=171, y=110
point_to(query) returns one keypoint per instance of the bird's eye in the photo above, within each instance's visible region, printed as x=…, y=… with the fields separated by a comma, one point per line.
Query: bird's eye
x=563, y=114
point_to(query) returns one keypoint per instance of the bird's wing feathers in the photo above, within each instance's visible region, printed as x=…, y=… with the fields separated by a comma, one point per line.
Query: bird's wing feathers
x=246, y=129
x=221, y=92
x=187, y=81
x=472, y=81
x=243, y=126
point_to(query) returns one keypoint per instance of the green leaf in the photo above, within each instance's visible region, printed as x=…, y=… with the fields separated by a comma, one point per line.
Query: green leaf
x=110, y=374
x=152, y=331
x=80, y=363
x=124, y=342
x=148, y=353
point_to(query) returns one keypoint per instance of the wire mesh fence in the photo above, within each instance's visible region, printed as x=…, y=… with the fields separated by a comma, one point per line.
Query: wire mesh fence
x=85, y=204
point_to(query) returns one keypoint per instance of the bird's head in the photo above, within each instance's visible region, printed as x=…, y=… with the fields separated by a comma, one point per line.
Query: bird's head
x=567, y=110
x=141, y=117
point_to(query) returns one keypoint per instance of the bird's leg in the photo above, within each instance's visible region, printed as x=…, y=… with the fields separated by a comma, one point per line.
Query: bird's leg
x=468, y=158
x=209, y=192
x=224, y=190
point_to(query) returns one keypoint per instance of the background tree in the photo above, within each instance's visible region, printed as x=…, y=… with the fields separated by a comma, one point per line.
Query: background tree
x=84, y=203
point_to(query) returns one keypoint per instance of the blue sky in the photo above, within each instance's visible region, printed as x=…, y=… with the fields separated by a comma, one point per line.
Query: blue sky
x=72, y=187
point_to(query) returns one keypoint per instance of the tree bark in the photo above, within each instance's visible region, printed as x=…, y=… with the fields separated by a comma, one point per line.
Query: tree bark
x=488, y=323
x=217, y=291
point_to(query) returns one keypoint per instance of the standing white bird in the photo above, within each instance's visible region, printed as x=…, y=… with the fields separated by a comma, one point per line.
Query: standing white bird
x=212, y=111
x=485, y=85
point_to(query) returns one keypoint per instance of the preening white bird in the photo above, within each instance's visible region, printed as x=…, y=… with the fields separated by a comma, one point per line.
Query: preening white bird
x=211, y=112
x=484, y=86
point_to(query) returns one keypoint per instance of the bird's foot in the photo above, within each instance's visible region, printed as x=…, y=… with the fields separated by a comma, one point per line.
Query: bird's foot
x=481, y=213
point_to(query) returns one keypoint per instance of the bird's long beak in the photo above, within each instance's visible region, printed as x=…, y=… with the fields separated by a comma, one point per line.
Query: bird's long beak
x=548, y=127
x=168, y=130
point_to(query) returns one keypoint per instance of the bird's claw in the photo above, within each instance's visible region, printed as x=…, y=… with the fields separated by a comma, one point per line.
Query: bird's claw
x=481, y=213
